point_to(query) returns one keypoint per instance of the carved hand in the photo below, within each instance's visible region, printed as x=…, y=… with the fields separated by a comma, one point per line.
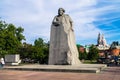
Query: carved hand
x=56, y=23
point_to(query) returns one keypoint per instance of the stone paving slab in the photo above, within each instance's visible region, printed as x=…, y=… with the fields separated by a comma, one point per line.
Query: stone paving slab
x=109, y=73
x=82, y=68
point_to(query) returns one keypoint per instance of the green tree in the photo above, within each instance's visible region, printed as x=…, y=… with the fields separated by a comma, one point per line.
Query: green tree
x=93, y=53
x=82, y=54
x=26, y=51
x=42, y=50
x=9, y=41
x=37, y=52
x=19, y=34
x=39, y=43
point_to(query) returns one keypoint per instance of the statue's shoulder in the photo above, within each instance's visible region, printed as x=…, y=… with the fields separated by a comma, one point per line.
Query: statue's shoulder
x=66, y=15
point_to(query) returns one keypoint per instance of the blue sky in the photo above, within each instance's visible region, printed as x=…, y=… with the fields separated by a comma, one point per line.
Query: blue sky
x=89, y=16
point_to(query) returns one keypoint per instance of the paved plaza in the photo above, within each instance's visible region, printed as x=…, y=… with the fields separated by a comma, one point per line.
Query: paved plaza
x=110, y=73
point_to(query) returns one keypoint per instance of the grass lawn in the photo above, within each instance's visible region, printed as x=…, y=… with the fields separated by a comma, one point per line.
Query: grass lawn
x=89, y=62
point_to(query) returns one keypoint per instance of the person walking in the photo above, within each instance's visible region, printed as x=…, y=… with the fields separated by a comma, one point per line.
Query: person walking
x=2, y=62
x=116, y=60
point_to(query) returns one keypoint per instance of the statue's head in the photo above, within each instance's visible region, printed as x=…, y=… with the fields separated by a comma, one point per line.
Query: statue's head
x=61, y=11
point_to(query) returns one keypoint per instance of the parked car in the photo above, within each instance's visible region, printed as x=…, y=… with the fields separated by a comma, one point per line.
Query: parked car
x=109, y=60
x=104, y=60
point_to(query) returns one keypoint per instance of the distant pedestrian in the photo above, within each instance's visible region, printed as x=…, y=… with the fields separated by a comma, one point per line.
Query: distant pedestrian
x=2, y=62
x=116, y=60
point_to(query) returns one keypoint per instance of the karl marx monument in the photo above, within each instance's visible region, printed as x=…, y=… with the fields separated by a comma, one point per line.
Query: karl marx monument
x=63, y=50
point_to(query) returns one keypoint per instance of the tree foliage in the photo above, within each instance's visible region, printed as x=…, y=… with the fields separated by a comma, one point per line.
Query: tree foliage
x=93, y=53
x=39, y=43
x=10, y=38
x=35, y=53
x=82, y=54
x=42, y=50
x=11, y=43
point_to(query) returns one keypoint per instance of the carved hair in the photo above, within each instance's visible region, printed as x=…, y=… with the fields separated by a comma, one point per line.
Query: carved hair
x=61, y=9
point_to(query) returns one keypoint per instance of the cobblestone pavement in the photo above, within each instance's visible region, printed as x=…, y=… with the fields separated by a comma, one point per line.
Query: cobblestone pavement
x=111, y=73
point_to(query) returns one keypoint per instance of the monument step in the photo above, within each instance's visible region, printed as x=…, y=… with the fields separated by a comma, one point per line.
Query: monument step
x=82, y=68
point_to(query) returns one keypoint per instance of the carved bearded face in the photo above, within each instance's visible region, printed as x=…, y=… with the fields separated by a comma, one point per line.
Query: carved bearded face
x=61, y=11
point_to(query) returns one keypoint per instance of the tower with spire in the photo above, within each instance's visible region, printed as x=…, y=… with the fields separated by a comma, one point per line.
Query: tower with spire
x=101, y=41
